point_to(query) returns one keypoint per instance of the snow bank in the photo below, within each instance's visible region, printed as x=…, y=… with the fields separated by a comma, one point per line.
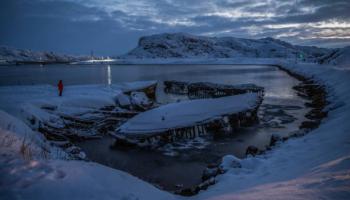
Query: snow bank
x=27, y=174
x=187, y=113
x=59, y=179
x=20, y=131
x=89, y=101
x=23, y=101
x=18, y=140
x=229, y=162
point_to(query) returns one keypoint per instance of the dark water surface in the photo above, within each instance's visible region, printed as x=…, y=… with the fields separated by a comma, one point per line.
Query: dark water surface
x=281, y=113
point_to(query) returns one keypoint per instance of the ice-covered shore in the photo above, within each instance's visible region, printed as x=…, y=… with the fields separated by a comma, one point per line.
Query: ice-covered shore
x=316, y=166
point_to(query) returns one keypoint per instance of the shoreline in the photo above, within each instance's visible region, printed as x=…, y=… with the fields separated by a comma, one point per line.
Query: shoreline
x=307, y=87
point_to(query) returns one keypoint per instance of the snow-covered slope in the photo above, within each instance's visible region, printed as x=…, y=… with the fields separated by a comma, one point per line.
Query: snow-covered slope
x=339, y=57
x=27, y=175
x=181, y=45
x=10, y=54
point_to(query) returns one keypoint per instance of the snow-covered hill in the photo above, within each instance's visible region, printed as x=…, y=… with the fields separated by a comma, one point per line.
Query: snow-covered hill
x=9, y=54
x=182, y=45
x=339, y=57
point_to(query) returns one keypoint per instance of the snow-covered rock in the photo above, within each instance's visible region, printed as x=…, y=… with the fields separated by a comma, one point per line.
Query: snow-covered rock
x=339, y=57
x=230, y=161
x=123, y=100
x=181, y=45
x=35, y=116
x=140, y=100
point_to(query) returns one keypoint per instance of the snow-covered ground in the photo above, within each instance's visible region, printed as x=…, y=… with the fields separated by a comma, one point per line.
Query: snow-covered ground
x=16, y=99
x=316, y=166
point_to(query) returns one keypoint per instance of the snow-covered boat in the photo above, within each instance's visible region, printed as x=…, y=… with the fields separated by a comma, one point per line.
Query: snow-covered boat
x=193, y=117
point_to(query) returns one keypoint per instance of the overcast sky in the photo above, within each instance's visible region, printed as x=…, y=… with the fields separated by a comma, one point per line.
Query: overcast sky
x=111, y=27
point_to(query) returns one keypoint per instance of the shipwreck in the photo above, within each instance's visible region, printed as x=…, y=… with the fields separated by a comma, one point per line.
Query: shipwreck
x=211, y=108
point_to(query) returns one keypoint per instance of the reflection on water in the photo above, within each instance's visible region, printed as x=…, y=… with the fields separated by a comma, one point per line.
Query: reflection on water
x=109, y=76
x=186, y=168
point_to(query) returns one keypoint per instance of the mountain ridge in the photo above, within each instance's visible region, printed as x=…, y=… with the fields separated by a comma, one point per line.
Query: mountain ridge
x=10, y=54
x=183, y=45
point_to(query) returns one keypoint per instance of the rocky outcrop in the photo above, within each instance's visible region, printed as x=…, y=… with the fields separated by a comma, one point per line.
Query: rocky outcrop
x=339, y=57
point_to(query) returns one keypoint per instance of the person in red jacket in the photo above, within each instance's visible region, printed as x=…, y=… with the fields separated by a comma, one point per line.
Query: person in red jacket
x=60, y=87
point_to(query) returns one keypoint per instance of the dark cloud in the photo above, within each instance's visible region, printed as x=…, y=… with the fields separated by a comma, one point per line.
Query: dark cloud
x=113, y=26
x=63, y=26
x=336, y=11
